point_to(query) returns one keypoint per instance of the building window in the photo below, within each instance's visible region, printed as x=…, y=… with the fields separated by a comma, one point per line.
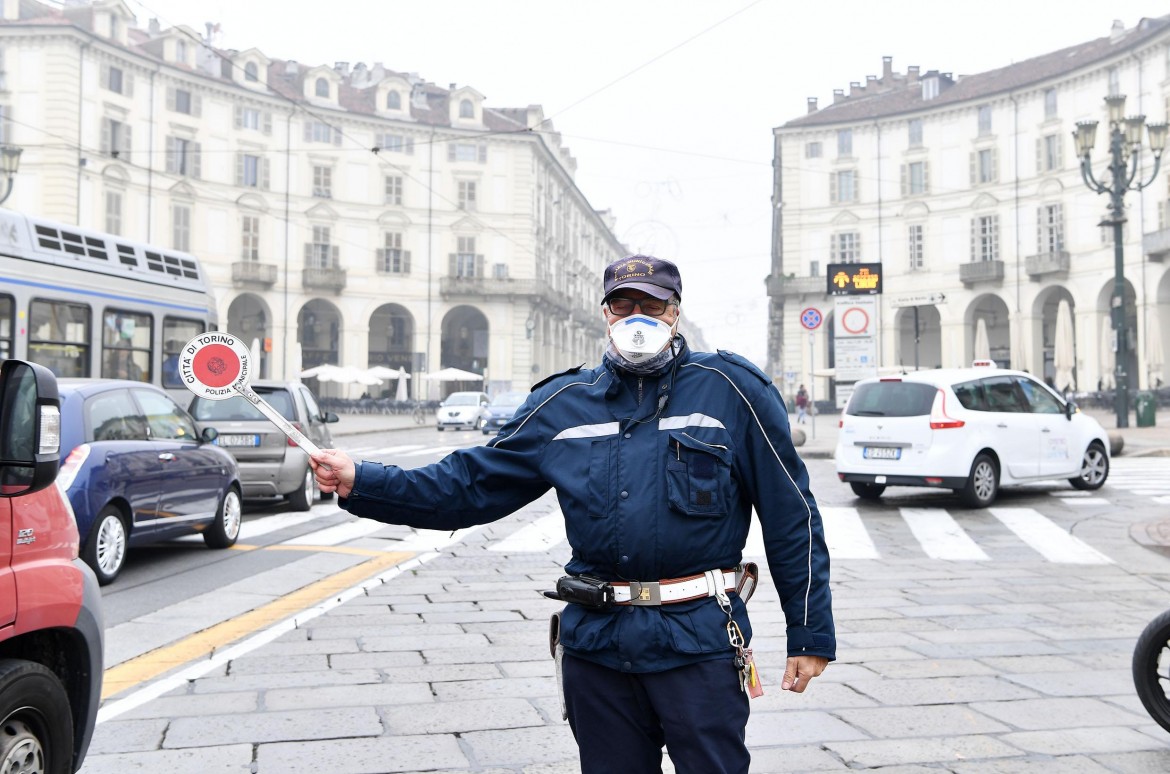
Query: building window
x=843, y=186
x=181, y=227
x=1049, y=153
x=915, y=242
x=319, y=131
x=1050, y=228
x=182, y=101
x=466, y=260
x=181, y=51
x=985, y=238
x=115, y=138
x=320, y=252
x=394, y=143
x=1050, y=103
x=323, y=182
x=984, y=120
x=1114, y=81
x=915, y=178
x=914, y=130
x=321, y=89
x=844, y=143
x=250, y=238
x=115, y=81
x=466, y=151
x=252, y=171
x=984, y=166
x=394, y=189
x=183, y=157
x=812, y=150
x=845, y=248
x=114, y=212
x=249, y=118
x=467, y=195
x=466, y=109
x=5, y=118
x=392, y=259
x=251, y=72
x=393, y=100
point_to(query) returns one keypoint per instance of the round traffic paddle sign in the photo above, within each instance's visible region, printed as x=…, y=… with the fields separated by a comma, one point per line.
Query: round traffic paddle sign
x=214, y=365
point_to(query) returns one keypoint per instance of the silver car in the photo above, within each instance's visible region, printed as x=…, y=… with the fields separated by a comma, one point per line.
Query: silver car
x=467, y=410
x=270, y=464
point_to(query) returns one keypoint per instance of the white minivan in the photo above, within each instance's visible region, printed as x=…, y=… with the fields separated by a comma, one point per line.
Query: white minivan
x=967, y=429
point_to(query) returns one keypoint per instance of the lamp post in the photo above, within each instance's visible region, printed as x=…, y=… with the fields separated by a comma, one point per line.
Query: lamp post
x=9, y=163
x=1125, y=145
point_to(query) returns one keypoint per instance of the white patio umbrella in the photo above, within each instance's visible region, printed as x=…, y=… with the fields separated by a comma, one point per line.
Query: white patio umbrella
x=982, y=350
x=453, y=375
x=1155, y=353
x=402, y=394
x=348, y=375
x=1064, y=356
x=383, y=372
x=324, y=368
x=1108, y=359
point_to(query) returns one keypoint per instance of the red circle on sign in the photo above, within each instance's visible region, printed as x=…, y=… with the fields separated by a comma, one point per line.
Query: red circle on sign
x=811, y=318
x=216, y=365
x=850, y=322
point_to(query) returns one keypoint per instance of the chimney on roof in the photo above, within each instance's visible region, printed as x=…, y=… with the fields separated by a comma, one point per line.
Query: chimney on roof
x=1116, y=31
x=912, y=73
x=856, y=89
x=341, y=68
x=887, y=68
x=812, y=104
x=452, y=88
x=154, y=28
x=838, y=95
x=290, y=67
x=870, y=80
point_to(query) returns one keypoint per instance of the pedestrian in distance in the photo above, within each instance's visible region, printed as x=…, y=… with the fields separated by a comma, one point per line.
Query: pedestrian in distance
x=658, y=456
x=801, y=404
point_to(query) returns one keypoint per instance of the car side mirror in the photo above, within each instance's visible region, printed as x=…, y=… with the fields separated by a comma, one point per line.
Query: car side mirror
x=208, y=435
x=30, y=428
x=329, y=417
x=1070, y=408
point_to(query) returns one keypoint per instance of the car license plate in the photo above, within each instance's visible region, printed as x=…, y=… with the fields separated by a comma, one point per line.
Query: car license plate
x=238, y=440
x=882, y=453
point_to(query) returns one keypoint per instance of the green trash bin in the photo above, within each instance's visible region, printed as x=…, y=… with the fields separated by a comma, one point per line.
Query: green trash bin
x=1144, y=406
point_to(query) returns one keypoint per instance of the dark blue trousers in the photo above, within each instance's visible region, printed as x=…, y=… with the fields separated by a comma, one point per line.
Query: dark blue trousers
x=622, y=720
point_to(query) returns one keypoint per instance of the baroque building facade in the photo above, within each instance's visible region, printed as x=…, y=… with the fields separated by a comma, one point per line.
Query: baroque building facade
x=348, y=215
x=969, y=193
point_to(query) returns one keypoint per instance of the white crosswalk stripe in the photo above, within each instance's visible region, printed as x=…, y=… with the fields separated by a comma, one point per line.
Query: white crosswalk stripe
x=938, y=534
x=1144, y=476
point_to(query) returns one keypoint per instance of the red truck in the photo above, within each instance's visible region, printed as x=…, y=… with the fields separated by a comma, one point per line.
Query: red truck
x=50, y=606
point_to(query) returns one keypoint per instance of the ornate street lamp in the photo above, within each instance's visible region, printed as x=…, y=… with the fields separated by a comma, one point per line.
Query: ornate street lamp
x=1125, y=145
x=9, y=163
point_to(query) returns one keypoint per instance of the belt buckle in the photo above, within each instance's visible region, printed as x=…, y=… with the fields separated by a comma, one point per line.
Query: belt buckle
x=648, y=593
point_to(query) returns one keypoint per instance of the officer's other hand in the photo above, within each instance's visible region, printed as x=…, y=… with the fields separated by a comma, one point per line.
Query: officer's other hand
x=800, y=669
x=334, y=471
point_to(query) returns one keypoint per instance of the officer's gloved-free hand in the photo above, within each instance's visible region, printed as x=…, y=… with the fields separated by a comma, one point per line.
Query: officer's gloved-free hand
x=334, y=471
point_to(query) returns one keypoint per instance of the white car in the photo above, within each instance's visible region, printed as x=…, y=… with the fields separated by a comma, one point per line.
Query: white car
x=468, y=410
x=968, y=429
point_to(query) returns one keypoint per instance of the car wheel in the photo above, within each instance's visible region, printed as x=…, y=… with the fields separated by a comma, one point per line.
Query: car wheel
x=105, y=550
x=481, y=423
x=1094, y=468
x=301, y=498
x=867, y=491
x=982, y=484
x=222, y=532
x=36, y=725
x=439, y=428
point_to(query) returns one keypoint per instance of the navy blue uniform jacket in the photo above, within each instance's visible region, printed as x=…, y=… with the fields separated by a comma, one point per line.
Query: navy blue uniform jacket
x=647, y=494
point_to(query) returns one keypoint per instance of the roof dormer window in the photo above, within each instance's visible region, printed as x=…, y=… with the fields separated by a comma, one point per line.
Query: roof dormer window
x=251, y=72
x=181, y=51
x=466, y=109
x=322, y=88
x=393, y=100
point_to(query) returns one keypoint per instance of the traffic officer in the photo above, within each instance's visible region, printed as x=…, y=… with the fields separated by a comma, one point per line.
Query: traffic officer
x=658, y=456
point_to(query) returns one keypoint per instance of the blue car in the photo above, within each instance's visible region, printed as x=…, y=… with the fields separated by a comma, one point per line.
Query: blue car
x=135, y=472
x=501, y=409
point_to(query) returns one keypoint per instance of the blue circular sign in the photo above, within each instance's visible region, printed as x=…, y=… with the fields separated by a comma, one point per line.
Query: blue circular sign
x=811, y=318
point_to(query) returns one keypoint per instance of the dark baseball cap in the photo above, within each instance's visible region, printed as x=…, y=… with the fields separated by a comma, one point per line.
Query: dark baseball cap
x=651, y=275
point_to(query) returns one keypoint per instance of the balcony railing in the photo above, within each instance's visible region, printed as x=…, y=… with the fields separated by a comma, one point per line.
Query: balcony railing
x=981, y=271
x=1157, y=244
x=485, y=287
x=324, y=279
x=1046, y=263
x=796, y=286
x=254, y=272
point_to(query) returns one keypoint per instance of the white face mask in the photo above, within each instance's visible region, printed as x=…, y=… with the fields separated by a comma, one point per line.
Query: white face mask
x=639, y=337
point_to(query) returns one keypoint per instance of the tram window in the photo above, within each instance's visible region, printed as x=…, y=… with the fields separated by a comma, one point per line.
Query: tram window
x=176, y=333
x=58, y=336
x=7, y=323
x=126, y=343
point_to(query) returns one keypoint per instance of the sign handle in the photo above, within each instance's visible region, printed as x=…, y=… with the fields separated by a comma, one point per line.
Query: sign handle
x=299, y=438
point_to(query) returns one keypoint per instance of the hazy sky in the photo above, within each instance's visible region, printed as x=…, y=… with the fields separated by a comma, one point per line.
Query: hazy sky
x=668, y=105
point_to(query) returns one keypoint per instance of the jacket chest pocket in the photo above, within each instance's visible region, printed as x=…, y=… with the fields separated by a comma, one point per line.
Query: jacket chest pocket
x=698, y=476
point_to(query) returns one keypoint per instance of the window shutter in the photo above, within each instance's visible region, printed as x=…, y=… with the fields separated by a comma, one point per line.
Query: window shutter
x=452, y=265
x=172, y=165
x=105, y=77
x=995, y=165
x=856, y=187
x=478, y=265
x=1040, y=247
x=309, y=255
x=196, y=165
x=196, y=105
x=1059, y=155
x=336, y=136
x=1058, y=216
x=905, y=188
x=406, y=262
x=1039, y=155
x=265, y=167
x=410, y=146
x=483, y=154
x=974, y=239
x=266, y=122
x=833, y=187
x=126, y=141
x=237, y=119
x=127, y=84
x=171, y=98
x=450, y=151
x=974, y=168
x=107, y=141
x=335, y=256
x=926, y=176
x=308, y=130
x=239, y=169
